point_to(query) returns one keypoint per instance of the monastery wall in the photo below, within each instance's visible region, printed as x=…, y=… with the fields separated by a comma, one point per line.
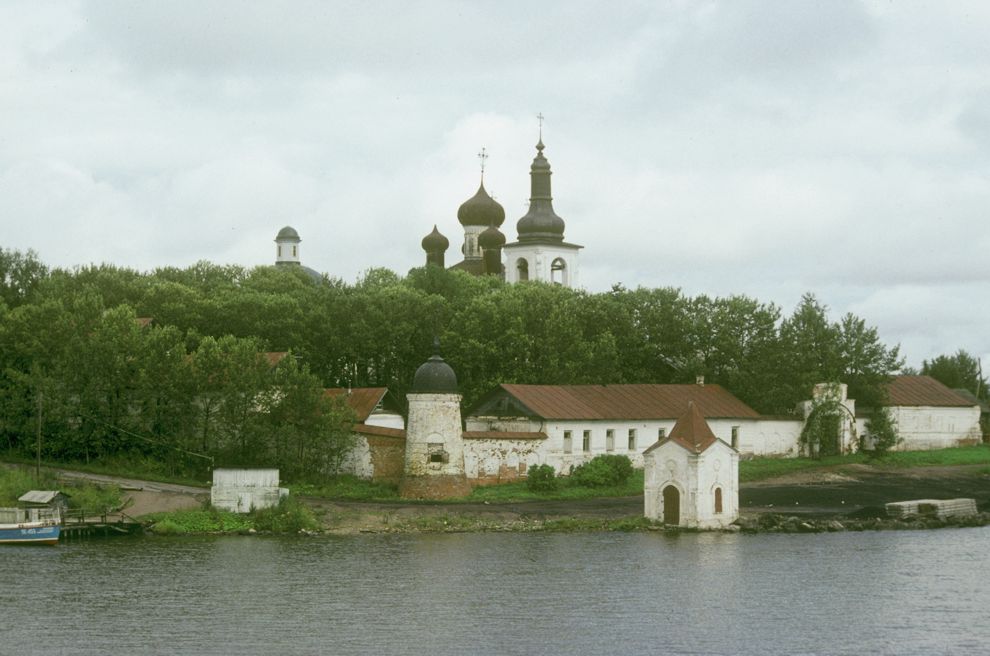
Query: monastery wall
x=926, y=427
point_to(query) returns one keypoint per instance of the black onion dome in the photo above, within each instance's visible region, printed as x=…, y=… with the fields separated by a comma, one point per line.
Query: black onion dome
x=287, y=233
x=435, y=242
x=491, y=238
x=541, y=223
x=481, y=210
x=434, y=376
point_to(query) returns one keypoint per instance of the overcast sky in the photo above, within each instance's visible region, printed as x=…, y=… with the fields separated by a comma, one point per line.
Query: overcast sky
x=759, y=148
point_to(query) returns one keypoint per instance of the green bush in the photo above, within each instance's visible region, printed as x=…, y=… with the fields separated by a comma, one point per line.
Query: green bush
x=289, y=516
x=603, y=471
x=542, y=478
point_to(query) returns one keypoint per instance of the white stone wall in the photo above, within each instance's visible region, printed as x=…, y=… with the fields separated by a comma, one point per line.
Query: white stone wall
x=486, y=457
x=926, y=427
x=540, y=258
x=244, y=490
x=386, y=420
x=358, y=461
x=696, y=477
x=434, y=419
x=756, y=437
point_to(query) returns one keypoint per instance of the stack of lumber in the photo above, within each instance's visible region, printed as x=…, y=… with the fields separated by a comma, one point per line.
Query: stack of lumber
x=932, y=507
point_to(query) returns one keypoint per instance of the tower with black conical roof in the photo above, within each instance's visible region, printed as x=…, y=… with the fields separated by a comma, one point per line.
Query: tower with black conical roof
x=287, y=246
x=540, y=252
x=434, y=460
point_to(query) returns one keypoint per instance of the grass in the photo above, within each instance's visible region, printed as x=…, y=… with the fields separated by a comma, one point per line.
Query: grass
x=290, y=516
x=139, y=467
x=350, y=488
x=758, y=469
x=95, y=499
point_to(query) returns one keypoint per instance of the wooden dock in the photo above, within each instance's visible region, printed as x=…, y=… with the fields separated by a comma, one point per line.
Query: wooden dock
x=79, y=526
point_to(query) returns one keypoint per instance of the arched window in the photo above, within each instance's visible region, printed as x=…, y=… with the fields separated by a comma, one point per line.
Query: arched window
x=558, y=272
x=718, y=501
x=522, y=268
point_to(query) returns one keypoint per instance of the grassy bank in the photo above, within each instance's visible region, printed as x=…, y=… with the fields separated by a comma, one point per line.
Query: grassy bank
x=94, y=499
x=140, y=468
x=289, y=517
x=758, y=469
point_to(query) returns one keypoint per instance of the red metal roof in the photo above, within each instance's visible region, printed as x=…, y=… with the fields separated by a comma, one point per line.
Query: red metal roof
x=628, y=401
x=363, y=400
x=924, y=390
x=691, y=432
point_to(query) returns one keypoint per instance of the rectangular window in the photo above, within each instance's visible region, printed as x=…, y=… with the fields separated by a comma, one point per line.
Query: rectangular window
x=586, y=441
x=567, y=441
x=632, y=439
x=610, y=440
x=735, y=437
x=661, y=433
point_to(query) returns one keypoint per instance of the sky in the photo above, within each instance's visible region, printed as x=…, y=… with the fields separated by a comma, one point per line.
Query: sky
x=769, y=149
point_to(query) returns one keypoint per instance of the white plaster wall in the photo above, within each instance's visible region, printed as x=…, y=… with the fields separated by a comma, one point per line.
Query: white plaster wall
x=762, y=437
x=470, y=247
x=358, y=461
x=927, y=427
x=484, y=457
x=286, y=250
x=540, y=257
x=434, y=419
x=243, y=490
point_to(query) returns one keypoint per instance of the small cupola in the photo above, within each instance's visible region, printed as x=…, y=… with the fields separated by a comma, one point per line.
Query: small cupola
x=434, y=376
x=287, y=246
x=540, y=223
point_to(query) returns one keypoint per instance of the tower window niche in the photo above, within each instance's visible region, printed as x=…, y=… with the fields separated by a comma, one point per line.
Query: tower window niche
x=436, y=454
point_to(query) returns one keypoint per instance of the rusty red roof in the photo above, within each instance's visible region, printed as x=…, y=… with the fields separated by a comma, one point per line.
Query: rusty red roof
x=691, y=432
x=924, y=390
x=362, y=400
x=503, y=435
x=627, y=401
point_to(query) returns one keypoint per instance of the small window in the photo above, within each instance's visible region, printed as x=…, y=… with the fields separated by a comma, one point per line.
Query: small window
x=558, y=272
x=632, y=439
x=567, y=441
x=522, y=269
x=280, y=250
x=436, y=454
x=610, y=440
x=293, y=251
x=661, y=433
x=586, y=441
x=718, y=501
x=735, y=437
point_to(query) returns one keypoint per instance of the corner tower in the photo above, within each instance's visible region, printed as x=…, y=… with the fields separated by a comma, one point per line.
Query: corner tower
x=434, y=462
x=540, y=253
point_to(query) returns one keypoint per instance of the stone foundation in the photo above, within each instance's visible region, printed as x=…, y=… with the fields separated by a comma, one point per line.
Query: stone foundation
x=444, y=486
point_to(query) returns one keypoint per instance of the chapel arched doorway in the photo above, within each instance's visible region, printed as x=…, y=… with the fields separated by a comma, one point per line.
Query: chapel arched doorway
x=671, y=505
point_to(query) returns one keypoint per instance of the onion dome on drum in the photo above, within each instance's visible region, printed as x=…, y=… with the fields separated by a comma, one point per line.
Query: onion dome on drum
x=434, y=376
x=435, y=242
x=288, y=233
x=491, y=238
x=541, y=223
x=481, y=210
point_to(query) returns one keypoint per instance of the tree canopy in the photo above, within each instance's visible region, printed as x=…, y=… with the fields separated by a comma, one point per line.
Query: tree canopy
x=193, y=380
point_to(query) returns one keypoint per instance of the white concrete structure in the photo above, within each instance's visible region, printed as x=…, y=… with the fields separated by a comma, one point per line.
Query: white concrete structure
x=244, y=490
x=834, y=398
x=691, y=477
x=556, y=263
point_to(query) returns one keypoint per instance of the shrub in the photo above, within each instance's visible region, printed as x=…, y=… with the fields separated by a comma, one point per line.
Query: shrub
x=289, y=516
x=542, y=478
x=603, y=471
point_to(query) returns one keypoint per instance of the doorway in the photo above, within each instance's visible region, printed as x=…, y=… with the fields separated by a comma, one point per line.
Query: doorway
x=671, y=505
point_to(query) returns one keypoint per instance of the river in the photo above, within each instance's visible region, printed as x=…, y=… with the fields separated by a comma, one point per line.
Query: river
x=910, y=592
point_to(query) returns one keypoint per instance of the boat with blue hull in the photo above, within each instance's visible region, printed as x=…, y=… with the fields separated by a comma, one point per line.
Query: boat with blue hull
x=29, y=526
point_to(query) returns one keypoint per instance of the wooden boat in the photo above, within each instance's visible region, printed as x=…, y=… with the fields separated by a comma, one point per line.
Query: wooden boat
x=29, y=526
